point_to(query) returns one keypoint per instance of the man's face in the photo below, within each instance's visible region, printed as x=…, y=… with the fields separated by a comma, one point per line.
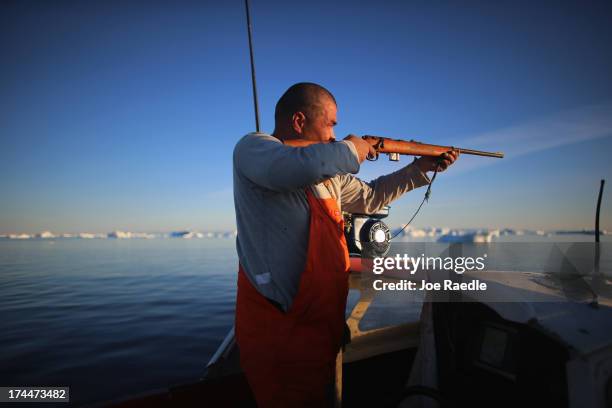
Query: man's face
x=320, y=128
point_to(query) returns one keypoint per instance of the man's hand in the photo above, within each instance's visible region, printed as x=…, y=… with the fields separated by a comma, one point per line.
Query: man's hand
x=428, y=163
x=364, y=149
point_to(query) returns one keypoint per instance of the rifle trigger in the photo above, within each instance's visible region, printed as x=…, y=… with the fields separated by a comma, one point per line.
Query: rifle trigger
x=380, y=143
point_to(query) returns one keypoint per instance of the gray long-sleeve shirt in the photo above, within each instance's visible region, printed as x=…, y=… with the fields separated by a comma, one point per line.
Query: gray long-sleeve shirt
x=272, y=212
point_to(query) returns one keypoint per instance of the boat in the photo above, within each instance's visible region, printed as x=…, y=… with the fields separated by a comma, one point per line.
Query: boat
x=544, y=350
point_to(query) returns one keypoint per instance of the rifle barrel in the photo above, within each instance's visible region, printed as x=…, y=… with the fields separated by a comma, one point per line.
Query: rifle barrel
x=499, y=155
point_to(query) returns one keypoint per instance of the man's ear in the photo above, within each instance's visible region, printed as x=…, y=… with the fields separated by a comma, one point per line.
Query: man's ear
x=297, y=122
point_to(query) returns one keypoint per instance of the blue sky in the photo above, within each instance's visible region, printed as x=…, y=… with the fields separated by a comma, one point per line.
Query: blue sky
x=124, y=114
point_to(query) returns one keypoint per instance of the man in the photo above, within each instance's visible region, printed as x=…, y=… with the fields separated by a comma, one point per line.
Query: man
x=293, y=275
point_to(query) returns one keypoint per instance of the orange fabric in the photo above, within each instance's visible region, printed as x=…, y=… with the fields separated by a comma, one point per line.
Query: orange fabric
x=289, y=358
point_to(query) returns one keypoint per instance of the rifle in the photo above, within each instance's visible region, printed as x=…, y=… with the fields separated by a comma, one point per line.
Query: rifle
x=395, y=147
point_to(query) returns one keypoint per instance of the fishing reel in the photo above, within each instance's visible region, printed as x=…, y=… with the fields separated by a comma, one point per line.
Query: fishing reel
x=367, y=235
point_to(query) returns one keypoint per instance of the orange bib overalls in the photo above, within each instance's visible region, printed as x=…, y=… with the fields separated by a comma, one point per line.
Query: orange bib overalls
x=289, y=358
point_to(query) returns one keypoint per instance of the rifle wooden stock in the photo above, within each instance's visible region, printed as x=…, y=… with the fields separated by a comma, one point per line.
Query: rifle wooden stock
x=411, y=148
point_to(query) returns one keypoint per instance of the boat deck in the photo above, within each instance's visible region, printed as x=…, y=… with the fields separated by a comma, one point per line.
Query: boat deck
x=376, y=381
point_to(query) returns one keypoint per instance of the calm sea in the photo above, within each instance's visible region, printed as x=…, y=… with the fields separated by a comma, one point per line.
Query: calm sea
x=114, y=318
x=111, y=318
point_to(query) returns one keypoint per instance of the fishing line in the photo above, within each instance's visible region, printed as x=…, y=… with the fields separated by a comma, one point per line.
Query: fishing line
x=425, y=198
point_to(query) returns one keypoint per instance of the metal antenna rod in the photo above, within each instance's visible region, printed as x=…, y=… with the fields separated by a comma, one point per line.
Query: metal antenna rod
x=601, y=187
x=250, y=31
x=596, y=271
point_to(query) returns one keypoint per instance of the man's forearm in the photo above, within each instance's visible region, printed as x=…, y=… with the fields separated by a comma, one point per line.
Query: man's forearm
x=367, y=198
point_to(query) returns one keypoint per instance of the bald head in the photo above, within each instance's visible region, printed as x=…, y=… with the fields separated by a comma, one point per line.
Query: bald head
x=303, y=97
x=306, y=111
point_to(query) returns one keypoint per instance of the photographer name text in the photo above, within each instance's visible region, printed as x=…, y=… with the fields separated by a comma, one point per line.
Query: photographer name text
x=446, y=284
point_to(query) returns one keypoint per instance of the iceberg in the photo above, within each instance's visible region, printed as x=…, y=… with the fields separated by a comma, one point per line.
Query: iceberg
x=127, y=235
x=143, y=235
x=469, y=237
x=186, y=234
x=427, y=232
x=19, y=236
x=119, y=235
